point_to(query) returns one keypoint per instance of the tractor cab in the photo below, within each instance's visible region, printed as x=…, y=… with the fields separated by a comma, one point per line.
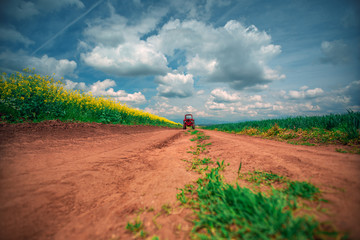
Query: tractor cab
x=188, y=121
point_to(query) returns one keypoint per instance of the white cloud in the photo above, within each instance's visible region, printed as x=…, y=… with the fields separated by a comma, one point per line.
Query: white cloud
x=335, y=52
x=233, y=54
x=311, y=93
x=44, y=65
x=304, y=93
x=118, y=49
x=10, y=34
x=260, y=105
x=201, y=66
x=104, y=88
x=164, y=109
x=255, y=98
x=216, y=106
x=129, y=59
x=257, y=88
x=109, y=32
x=221, y=96
x=190, y=109
x=350, y=93
x=76, y=85
x=175, y=85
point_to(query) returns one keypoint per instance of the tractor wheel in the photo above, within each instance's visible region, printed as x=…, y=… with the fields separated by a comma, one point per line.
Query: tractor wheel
x=193, y=126
x=184, y=126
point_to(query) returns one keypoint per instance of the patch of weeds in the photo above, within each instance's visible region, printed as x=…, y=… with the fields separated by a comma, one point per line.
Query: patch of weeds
x=145, y=209
x=197, y=164
x=355, y=150
x=221, y=165
x=193, y=132
x=206, y=161
x=259, y=177
x=182, y=197
x=341, y=150
x=302, y=189
x=200, y=136
x=202, y=147
x=308, y=144
x=166, y=208
x=137, y=228
x=230, y=212
x=196, y=152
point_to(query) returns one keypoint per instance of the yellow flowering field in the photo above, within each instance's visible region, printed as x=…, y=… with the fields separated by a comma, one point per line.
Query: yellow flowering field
x=32, y=97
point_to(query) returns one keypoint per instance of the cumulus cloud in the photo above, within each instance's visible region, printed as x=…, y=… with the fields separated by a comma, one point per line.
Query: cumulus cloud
x=221, y=96
x=335, y=52
x=216, y=106
x=76, y=85
x=10, y=34
x=175, y=85
x=164, y=109
x=129, y=59
x=105, y=89
x=318, y=100
x=304, y=93
x=109, y=32
x=255, y=98
x=351, y=91
x=118, y=49
x=43, y=65
x=221, y=100
x=233, y=54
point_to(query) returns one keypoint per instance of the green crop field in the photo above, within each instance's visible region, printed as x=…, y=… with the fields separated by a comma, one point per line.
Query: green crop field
x=32, y=97
x=333, y=128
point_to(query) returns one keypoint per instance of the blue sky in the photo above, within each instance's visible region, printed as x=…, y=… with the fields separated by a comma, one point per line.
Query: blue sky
x=223, y=61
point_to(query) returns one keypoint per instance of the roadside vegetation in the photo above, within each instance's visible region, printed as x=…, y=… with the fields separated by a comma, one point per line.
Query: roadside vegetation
x=32, y=97
x=270, y=206
x=328, y=129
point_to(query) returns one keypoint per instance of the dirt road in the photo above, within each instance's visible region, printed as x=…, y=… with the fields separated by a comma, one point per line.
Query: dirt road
x=85, y=181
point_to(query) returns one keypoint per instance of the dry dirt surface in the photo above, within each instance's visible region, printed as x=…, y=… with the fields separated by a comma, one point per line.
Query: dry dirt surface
x=86, y=181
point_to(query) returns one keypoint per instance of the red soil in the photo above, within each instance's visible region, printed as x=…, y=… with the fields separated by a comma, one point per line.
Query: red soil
x=86, y=181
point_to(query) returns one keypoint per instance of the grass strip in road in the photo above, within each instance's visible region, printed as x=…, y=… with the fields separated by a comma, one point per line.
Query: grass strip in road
x=225, y=211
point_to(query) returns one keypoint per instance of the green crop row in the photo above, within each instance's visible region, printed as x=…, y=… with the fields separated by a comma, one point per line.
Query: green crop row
x=333, y=128
x=31, y=97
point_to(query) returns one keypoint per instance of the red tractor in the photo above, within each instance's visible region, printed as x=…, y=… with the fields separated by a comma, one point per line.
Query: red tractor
x=188, y=121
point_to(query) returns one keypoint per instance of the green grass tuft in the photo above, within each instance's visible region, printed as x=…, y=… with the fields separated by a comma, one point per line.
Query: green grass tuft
x=302, y=189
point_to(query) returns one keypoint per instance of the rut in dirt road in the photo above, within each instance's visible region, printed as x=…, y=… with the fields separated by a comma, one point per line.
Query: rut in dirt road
x=79, y=182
